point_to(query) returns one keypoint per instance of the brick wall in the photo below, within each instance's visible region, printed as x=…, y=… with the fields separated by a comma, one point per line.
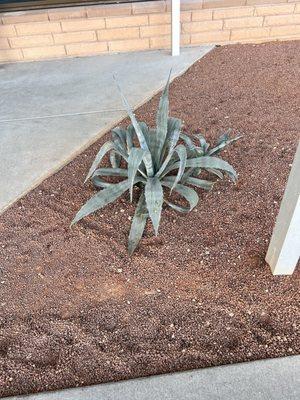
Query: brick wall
x=80, y=31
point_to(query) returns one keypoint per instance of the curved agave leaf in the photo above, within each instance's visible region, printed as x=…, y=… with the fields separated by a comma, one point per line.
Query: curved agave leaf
x=129, y=138
x=162, y=121
x=135, y=158
x=206, y=162
x=139, y=133
x=190, y=145
x=119, y=135
x=223, y=144
x=138, y=224
x=189, y=194
x=103, y=150
x=115, y=159
x=173, y=140
x=215, y=172
x=101, y=199
x=174, y=127
x=100, y=183
x=201, y=183
x=111, y=172
x=154, y=201
x=203, y=143
x=181, y=151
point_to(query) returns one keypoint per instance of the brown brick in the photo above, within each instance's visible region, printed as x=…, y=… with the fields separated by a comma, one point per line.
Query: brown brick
x=256, y=2
x=148, y=7
x=109, y=10
x=118, y=33
x=233, y=12
x=37, y=53
x=7, y=31
x=66, y=13
x=252, y=33
x=155, y=30
x=247, y=22
x=162, y=42
x=202, y=26
x=75, y=37
x=37, y=28
x=274, y=9
x=129, y=45
x=80, y=49
x=31, y=41
x=10, y=55
x=86, y=24
x=210, y=37
x=133, y=20
x=4, y=43
x=202, y=15
x=285, y=30
x=222, y=3
x=165, y=18
x=187, y=5
x=22, y=17
x=282, y=19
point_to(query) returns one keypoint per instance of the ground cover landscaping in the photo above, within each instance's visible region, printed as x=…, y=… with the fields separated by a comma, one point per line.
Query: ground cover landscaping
x=75, y=309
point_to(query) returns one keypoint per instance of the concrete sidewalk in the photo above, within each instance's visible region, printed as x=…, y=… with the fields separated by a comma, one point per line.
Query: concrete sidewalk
x=50, y=111
x=273, y=379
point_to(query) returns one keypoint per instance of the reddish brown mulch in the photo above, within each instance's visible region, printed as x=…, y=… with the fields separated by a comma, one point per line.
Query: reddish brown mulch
x=76, y=310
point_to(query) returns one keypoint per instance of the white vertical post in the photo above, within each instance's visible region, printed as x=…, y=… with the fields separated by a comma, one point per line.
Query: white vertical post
x=284, y=249
x=175, y=27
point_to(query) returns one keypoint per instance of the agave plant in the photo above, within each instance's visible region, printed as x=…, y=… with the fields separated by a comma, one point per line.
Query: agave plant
x=159, y=161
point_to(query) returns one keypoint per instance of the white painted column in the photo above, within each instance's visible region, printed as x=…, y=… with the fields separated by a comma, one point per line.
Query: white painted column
x=175, y=27
x=284, y=249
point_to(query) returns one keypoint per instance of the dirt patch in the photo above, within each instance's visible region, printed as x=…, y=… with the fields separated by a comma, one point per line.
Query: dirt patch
x=76, y=310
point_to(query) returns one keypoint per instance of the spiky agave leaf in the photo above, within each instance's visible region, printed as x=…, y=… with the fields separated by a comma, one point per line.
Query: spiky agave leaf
x=205, y=162
x=154, y=200
x=139, y=133
x=135, y=158
x=162, y=121
x=101, y=199
x=138, y=224
x=108, y=146
x=189, y=194
x=223, y=143
x=182, y=154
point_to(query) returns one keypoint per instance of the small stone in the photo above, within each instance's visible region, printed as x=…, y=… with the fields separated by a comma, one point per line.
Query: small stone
x=231, y=314
x=122, y=210
x=129, y=218
x=188, y=250
x=207, y=252
x=119, y=270
x=128, y=302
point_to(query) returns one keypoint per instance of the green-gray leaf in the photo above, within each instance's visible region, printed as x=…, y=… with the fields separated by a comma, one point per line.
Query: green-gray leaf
x=134, y=160
x=162, y=120
x=181, y=151
x=189, y=194
x=111, y=172
x=104, y=149
x=138, y=224
x=154, y=200
x=206, y=162
x=101, y=199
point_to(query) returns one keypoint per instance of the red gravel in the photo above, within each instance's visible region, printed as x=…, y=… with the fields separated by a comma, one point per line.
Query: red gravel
x=76, y=310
